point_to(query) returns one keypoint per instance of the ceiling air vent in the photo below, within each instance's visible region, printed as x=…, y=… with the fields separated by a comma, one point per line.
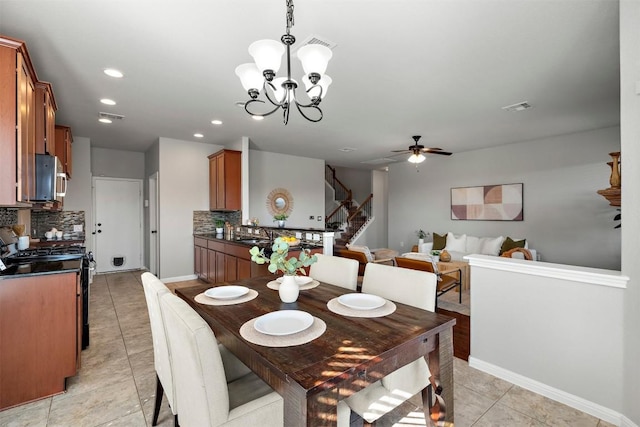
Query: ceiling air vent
x=520, y=106
x=347, y=149
x=314, y=39
x=111, y=116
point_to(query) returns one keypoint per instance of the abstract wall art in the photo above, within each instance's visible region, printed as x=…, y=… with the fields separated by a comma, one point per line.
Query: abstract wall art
x=488, y=203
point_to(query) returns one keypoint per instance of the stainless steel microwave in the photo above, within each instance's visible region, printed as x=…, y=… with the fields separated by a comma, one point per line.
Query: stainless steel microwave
x=51, y=180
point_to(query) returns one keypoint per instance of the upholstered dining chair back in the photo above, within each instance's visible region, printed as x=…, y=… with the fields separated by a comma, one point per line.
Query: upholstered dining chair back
x=411, y=287
x=336, y=271
x=204, y=396
x=153, y=290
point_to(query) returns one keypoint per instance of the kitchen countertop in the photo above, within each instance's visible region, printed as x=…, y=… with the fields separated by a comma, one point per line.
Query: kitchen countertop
x=247, y=241
x=24, y=268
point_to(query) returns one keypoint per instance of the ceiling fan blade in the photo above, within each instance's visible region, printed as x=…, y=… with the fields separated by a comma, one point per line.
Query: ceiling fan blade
x=401, y=151
x=444, y=153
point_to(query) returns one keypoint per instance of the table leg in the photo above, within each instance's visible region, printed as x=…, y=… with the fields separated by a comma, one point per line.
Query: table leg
x=441, y=367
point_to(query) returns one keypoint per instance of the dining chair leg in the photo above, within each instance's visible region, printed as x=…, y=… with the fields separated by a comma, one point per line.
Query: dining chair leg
x=175, y=420
x=159, y=394
x=460, y=293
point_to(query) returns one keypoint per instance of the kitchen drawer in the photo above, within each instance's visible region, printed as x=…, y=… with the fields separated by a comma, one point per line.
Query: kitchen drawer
x=216, y=246
x=199, y=241
x=240, y=251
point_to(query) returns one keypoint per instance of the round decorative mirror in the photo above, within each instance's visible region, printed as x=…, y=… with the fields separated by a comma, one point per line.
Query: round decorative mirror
x=280, y=201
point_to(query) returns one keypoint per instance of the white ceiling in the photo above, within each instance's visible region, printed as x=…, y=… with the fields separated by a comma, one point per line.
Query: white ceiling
x=438, y=68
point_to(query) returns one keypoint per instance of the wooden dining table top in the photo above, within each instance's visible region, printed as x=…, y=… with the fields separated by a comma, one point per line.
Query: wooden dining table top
x=352, y=353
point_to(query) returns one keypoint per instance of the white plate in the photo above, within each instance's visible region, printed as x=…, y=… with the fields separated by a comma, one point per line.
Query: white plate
x=283, y=322
x=300, y=280
x=359, y=301
x=226, y=292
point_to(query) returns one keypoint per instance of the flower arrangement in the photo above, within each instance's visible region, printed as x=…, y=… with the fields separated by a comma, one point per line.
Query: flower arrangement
x=280, y=217
x=278, y=260
x=421, y=234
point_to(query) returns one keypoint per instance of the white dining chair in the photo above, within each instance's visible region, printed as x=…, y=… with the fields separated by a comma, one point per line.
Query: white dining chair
x=411, y=287
x=154, y=289
x=336, y=271
x=204, y=394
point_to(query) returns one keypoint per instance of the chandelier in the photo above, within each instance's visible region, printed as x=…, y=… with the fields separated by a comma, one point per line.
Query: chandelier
x=281, y=91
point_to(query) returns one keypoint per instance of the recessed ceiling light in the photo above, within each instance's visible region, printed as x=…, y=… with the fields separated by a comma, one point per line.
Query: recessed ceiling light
x=216, y=122
x=107, y=101
x=104, y=120
x=198, y=135
x=112, y=72
x=258, y=118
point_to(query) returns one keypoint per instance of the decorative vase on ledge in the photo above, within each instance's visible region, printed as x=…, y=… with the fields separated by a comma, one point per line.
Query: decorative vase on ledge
x=288, y=289
x=281, y=223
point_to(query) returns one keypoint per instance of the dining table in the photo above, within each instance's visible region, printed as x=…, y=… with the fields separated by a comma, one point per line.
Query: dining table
x=351, y=353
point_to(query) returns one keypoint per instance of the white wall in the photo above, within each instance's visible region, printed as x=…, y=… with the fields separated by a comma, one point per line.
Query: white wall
x=551, y=328
x=357, y=180
x=117, y=163
x=630, y=132
x=301, y=176
x=565, y=220
x=79, y=194
x=151, y=166
x=184, y=187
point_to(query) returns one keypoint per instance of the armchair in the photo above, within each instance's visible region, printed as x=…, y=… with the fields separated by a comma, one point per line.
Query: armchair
x=364, y=255
x=446, y=282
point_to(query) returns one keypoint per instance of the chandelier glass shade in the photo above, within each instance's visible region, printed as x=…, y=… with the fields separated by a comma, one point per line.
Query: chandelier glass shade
x=259, y=77
x=417, y=158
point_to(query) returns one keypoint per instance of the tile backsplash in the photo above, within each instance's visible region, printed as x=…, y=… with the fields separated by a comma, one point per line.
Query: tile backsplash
x=43, y=221
x=204, y=221
x=8, y=216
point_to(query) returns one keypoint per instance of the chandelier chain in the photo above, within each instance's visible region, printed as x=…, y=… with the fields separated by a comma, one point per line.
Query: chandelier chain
x=289, y=15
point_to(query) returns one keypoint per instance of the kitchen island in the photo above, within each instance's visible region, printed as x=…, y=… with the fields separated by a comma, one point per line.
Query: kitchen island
x=217, y=259
x=40, y=328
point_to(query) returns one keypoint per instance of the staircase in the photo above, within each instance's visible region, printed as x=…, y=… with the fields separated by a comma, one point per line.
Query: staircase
x=349, y=218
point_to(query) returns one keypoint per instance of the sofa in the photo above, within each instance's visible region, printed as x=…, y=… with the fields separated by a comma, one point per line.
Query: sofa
x=460, y=246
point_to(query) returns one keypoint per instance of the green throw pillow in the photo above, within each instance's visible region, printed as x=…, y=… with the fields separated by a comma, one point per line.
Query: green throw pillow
x=509, y=244
x=439, y=242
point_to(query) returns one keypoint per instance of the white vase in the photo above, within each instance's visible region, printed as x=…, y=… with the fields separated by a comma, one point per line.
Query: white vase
x=288, y=289
x=420, y=243
x=280, y=223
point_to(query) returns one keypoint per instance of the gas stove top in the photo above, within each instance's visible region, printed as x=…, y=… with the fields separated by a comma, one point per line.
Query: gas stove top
x=49, y=251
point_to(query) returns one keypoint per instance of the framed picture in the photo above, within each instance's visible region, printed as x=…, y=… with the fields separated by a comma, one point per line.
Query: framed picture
x=488, y=203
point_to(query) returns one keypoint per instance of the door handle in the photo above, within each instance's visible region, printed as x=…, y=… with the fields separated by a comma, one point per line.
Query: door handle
x=99, y=231
x=154, y=231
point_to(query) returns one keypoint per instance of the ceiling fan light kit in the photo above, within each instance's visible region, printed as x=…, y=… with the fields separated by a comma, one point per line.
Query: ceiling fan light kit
x=281, y=91
x=417, y=151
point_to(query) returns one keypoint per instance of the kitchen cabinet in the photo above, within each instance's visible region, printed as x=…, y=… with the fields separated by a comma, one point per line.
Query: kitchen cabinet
x=40, y=335
x=63, y=142
x=217, y=260
x=17, y=123
x=45, y=116
x=225, y=178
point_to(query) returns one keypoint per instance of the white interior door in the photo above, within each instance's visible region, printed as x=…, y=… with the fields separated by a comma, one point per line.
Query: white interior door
x=118, y=224
x=153, y=225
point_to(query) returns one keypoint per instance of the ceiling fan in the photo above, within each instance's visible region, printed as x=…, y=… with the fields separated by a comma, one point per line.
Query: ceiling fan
x=417, y=150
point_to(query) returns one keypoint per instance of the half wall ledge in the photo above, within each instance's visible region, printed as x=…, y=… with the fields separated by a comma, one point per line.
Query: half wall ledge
x=595, y=276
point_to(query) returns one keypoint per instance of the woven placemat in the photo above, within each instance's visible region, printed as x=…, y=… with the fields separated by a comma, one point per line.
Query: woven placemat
x=275, y=285
x=203, y=299
x=249, y=333
x=338, y=308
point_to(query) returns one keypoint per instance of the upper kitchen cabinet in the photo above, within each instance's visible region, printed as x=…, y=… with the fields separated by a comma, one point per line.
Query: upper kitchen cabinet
x=225, y=178
x=64, y=139
x=17, y=123
x=45, y=109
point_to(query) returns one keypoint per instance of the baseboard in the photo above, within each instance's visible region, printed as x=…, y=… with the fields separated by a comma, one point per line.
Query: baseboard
x=179, y=278
x=568, y=399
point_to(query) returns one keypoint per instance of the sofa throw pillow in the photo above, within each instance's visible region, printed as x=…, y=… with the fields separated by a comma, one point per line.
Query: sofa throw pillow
x=473, y=245
x=364, y=249
x=439, y=242
x=456, y=244
x=509, y=244
x=491, y=245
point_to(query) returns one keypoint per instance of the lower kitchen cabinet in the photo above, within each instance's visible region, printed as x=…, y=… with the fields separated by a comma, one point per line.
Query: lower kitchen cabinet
x=216, y=261
x=40, y=336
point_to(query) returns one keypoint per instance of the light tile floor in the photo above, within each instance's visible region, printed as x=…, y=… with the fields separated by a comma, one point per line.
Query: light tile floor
x=116, y=384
